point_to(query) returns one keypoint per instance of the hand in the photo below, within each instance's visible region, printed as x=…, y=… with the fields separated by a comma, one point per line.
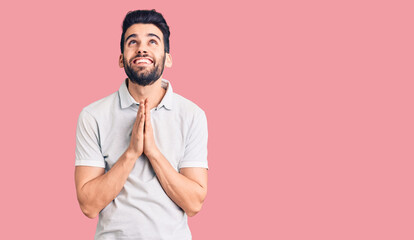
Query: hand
x=136, y=145
x=150, y=148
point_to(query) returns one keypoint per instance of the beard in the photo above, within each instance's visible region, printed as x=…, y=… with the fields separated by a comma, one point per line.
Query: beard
x=142, y=76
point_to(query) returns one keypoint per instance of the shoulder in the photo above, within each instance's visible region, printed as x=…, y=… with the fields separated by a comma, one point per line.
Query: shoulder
x=187, y=107
x=102, y=106
x=189, y=112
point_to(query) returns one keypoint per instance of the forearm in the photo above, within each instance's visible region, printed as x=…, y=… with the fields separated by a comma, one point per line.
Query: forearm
x=97, y=193
x=186, y=193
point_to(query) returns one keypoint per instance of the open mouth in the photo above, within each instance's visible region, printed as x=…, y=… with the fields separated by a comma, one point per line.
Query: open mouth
x=142, y=61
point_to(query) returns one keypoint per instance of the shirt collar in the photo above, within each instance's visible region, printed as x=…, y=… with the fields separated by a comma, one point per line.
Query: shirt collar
x=127, y=100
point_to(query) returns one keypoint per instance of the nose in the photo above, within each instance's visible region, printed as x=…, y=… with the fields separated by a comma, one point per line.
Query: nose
x=141, y=48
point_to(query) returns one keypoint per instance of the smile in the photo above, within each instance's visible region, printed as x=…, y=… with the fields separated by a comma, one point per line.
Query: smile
x=142, y=61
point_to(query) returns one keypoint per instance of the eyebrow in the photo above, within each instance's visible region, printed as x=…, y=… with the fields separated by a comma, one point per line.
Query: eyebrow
x=148, y=35
x=153, y=35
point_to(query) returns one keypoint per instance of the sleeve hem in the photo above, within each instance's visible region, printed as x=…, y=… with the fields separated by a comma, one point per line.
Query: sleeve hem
x=193, y=164
x=90, y=163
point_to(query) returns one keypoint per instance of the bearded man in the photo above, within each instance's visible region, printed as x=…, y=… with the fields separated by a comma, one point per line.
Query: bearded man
x=141, y=152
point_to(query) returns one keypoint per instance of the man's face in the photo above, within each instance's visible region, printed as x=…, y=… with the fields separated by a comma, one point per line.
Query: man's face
x=144, y=56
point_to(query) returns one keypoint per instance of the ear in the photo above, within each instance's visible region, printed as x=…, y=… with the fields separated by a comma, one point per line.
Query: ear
x=168, y=60
x=121, y=60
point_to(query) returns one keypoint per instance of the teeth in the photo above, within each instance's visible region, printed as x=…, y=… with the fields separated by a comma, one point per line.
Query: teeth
x=143, y=60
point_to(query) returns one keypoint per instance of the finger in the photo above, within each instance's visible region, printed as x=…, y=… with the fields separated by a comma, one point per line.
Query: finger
x=139, y=113
x=138, y=120
x=142, y=107
x=141, y=123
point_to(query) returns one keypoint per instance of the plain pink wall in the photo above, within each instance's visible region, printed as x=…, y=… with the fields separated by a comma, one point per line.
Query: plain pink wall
x=309, y=106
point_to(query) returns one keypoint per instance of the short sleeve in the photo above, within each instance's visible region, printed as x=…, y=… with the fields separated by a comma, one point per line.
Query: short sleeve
x=195, y=154
x=88, y=150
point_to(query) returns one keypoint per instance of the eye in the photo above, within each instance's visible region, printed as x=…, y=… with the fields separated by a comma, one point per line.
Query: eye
x=152, y=41
x=132, y=42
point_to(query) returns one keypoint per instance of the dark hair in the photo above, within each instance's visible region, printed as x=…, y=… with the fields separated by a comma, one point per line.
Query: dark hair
x=150, y=17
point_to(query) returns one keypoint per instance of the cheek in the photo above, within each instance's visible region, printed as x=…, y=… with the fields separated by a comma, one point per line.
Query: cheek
x=128, y=54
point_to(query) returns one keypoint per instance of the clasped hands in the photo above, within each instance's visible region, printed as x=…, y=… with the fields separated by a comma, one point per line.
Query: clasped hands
x=142, y=136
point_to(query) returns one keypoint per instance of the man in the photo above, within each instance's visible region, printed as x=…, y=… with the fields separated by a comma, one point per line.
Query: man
x=141, y=152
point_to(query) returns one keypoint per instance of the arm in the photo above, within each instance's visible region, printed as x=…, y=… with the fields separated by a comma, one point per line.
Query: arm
x=95, y=188
x=187, y=189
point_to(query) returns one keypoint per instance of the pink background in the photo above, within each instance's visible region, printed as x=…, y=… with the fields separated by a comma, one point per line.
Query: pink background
x=309, y=106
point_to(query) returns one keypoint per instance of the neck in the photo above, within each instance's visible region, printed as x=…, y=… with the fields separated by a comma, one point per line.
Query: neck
x=153, y=92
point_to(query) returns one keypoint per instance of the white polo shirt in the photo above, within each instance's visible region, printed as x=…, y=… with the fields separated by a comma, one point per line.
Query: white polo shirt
x=142, y=210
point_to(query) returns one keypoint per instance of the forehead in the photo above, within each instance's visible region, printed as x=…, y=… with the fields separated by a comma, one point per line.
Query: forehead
x=142, y=30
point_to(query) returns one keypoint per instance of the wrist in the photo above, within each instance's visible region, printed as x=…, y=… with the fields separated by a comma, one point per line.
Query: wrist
x=131, y=154
x=153, y=154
